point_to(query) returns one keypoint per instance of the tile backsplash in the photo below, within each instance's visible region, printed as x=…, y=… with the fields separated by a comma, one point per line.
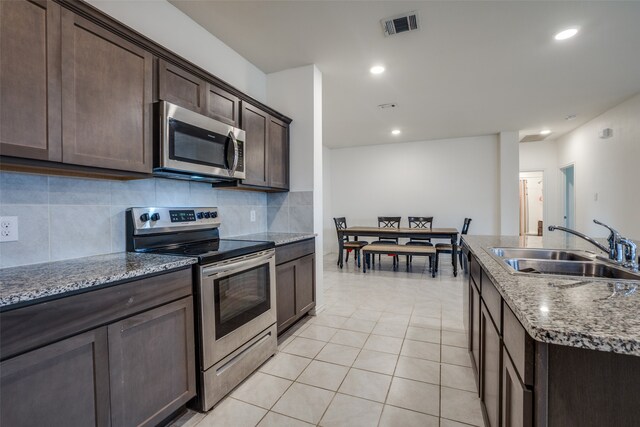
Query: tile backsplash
x=61, y=218
x=290, y=212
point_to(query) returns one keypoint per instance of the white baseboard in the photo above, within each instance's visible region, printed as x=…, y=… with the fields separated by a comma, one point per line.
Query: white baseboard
x=317, y=310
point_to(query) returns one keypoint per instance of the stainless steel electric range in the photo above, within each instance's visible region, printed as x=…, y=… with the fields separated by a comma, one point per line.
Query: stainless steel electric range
x=234, y=291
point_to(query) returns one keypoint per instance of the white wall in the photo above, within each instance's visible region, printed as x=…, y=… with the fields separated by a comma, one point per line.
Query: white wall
x=163, y=23
x=543, y=156
x=448, y=179
x=609, y=168
x=297, y=93
x=508, y=180
x=329, y=234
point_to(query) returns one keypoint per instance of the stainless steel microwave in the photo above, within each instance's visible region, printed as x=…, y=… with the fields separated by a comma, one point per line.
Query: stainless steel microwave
x=196, y=147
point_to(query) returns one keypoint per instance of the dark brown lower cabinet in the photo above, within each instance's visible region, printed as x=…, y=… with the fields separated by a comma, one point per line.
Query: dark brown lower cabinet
x=286, y=294
x=152, y=364
x=134, y=367
x=474, y=328
x=517, y=400
x=490, y=367
x=62, y=384
x=295, y=281
x=295, y=294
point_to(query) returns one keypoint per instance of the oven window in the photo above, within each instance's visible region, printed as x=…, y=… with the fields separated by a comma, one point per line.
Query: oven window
x=241, y=297
x=196, y=145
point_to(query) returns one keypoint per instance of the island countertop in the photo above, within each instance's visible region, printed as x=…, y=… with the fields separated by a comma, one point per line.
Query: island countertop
x=587, y=315
x=31, y=284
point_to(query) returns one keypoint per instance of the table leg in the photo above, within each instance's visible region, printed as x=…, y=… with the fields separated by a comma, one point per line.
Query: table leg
x=340, y=248
x=454, y=254
x=433, y=270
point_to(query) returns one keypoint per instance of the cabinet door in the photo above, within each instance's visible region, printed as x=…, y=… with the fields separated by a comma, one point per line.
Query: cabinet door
x=490, y=367
x=285, y=294
x=221, y=105
x=255, y=123
x=305, y=283
x=474, y=328
x=180, y=87
x=152, y=364
x=62, y=384
x=30, y=80
x=106, y=98
x=278, y=154
x=517, y=400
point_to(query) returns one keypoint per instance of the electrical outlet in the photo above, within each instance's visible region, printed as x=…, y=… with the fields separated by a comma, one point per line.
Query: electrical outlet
x=8, y=228
x=253, y=216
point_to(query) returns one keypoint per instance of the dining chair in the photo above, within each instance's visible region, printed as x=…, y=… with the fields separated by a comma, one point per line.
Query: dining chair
x=420, y=222
x=388, y=222
x=348, y=245
x=446, y=248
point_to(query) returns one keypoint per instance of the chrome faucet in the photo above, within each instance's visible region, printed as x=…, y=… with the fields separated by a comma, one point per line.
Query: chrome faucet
x=602, y=247
x=621, y=250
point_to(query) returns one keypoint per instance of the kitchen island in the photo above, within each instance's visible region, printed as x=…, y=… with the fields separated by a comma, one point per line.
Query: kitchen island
x=551, y=350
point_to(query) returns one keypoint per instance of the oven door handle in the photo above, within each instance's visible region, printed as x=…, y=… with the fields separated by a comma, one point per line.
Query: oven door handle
x=234, y=267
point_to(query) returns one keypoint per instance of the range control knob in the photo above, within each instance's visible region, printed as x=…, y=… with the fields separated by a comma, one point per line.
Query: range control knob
x=155, y=216
x=144, y=217
x=214, y=214
x=207, y=215
x=199, y=215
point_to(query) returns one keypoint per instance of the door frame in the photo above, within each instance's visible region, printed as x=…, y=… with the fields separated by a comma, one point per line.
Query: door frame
x=564, y=193
x=545, y=207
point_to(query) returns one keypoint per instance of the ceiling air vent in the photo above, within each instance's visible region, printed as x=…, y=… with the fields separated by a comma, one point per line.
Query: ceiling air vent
x=400, y=23
x=534, y=137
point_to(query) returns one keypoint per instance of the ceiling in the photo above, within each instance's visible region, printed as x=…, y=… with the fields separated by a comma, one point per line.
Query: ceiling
x=474, y=68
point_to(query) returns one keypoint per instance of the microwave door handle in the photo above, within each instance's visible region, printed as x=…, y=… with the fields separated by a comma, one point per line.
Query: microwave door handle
x=236, y=154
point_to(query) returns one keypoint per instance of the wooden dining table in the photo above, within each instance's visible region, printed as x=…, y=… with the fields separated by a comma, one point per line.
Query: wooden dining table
x=402, y=233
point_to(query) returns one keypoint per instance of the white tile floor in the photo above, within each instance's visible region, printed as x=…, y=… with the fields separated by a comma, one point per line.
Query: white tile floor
x=387, y=350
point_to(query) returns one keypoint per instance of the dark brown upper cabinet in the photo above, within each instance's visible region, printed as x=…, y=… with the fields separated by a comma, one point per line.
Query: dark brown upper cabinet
x=267, y=150
x=255, y=123
x=278, y=154
x=106, y=98
x=180, y=87
x=30, y=80
x=223, y=106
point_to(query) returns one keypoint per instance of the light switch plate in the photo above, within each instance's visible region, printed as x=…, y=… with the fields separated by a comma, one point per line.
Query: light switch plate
x=253, y=216
x=8, y=228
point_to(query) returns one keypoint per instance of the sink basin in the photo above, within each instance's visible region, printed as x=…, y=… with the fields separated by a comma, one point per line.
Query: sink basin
x=593, y=269
x=544, y=254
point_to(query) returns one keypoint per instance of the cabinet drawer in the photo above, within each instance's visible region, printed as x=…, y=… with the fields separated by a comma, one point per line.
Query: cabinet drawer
x=517, y=400
x=40, y=324
x=291, y=251
x=492, y=300
x=475, y=271
x=519, y=345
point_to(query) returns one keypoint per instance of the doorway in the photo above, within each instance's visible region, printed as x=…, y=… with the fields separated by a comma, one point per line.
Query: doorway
x=531, y=203
x=569, y=196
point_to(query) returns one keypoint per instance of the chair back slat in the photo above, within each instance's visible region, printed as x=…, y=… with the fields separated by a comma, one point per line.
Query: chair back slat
x=389, y=221
x=420, y=222
x=465, y=227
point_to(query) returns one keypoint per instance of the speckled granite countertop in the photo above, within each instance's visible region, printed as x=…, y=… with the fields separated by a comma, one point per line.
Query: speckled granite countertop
x=278, y=238
x=583, y=316
x=29, y=284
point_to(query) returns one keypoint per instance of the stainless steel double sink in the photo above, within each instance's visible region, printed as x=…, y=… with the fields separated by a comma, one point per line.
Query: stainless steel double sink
x=558, y=262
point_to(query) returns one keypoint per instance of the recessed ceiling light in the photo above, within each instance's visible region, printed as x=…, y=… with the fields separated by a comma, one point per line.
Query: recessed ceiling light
x=395, y=132
x=545, y=132
x=377, y=69
x=566, y=34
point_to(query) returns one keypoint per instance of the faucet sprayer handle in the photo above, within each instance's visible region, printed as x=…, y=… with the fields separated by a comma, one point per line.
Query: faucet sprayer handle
x=613, y=231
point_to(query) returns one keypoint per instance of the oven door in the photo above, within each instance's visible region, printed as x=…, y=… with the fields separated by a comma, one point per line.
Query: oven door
x=196, y=144
x=237, y=302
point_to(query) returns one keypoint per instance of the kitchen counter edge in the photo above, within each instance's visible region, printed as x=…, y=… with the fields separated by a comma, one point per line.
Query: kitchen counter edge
x=35, y=283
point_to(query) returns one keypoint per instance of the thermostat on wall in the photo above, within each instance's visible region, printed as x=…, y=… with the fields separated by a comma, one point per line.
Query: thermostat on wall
x=606, y=133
